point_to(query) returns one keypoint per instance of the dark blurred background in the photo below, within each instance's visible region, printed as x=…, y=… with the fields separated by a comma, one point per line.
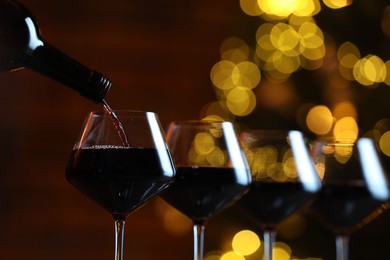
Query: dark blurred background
x=159, y=55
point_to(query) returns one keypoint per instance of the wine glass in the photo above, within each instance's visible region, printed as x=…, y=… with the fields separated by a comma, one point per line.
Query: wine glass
x=120, y=174
x=354, y=188
x=211, y=172
x=284, y=179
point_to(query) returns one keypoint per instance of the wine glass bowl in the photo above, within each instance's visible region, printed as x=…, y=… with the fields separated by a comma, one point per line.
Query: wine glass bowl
x=211, y=172
x=120, y=174
x=355, y=187
x=284, y=179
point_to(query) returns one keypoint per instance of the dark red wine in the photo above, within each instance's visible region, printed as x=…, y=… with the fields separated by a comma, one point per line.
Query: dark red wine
x=201, y=192
x=117, y=124
x=345, y=206
x=120, y=179
x=269, y=203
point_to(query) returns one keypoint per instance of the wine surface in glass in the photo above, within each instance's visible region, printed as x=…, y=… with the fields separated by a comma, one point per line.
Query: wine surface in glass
x=201, y=192
x=269, y=203
x=120, y=179
x=346, y=206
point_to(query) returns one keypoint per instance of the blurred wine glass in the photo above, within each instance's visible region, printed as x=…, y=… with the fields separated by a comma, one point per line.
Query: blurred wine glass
x=120, y=176
x=284, y=179
x=212, y=172
x=354, y=189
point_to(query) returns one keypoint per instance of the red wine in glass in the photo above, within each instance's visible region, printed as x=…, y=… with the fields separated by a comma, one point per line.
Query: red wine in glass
x=201, y=192
x=119, y=177
x=346, y=206
x=284, y=179
x=354, y=187
x=270, y=203
x=212, y=172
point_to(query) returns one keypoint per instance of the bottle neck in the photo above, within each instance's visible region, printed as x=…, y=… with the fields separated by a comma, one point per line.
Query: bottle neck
x=52, y=63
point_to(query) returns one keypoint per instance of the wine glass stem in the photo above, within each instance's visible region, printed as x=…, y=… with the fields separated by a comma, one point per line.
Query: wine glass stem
x=342, y=247
x=198, y=241
x=269, y=240
x=119, y=236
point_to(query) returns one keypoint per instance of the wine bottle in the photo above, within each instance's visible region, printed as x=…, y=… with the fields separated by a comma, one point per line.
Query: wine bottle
x=21, y=46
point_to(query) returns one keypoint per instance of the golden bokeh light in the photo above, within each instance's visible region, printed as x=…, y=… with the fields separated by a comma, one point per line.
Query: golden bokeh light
x=284, y=38
x=369, y=70
x=376, y=71
x=284, y=63
x=251, y=7
x=234, y=49
x=249, y=71
x=289, y=168
x=348, y=55
x=307, y=8
x=387, y=78
x=346, y=129
x=216, y=110
x=311, y=35
x=221, y=74
x=276, y=172
x=281, y=251
x=337, y=4
x=216, y=157
x=204, y=143
x=213, y=255
x=241, y=101
x=262, y=36
x=384, y=143
x=312, y=41
x=284, y=48
x=213, y=117
x=320, y=166
x=343, y=153
x=266, y=163
x=260, y=159
x=319, y=120
x=231, y=255
x=344, y=109
x=279, y=9
x=359, y=72
x=245, y=242
x=234, y=80
x=195, y=157
x=204, y=150
x=296, y=21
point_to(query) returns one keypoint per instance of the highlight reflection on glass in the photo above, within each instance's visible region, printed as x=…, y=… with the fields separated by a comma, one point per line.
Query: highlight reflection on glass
x=355, y=188
x=284, y=179
x=373, y=170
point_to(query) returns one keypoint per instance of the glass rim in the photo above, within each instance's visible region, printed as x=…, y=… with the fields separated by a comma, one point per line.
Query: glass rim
x=198, y=122
x=335, y=141
x=119, y=112
x=268, y=133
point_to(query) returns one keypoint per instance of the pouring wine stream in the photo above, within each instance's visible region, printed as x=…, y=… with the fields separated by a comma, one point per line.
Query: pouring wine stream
x=117, y=124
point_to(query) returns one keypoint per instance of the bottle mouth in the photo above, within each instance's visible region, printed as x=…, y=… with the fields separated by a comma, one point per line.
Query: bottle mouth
x=97, y=87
